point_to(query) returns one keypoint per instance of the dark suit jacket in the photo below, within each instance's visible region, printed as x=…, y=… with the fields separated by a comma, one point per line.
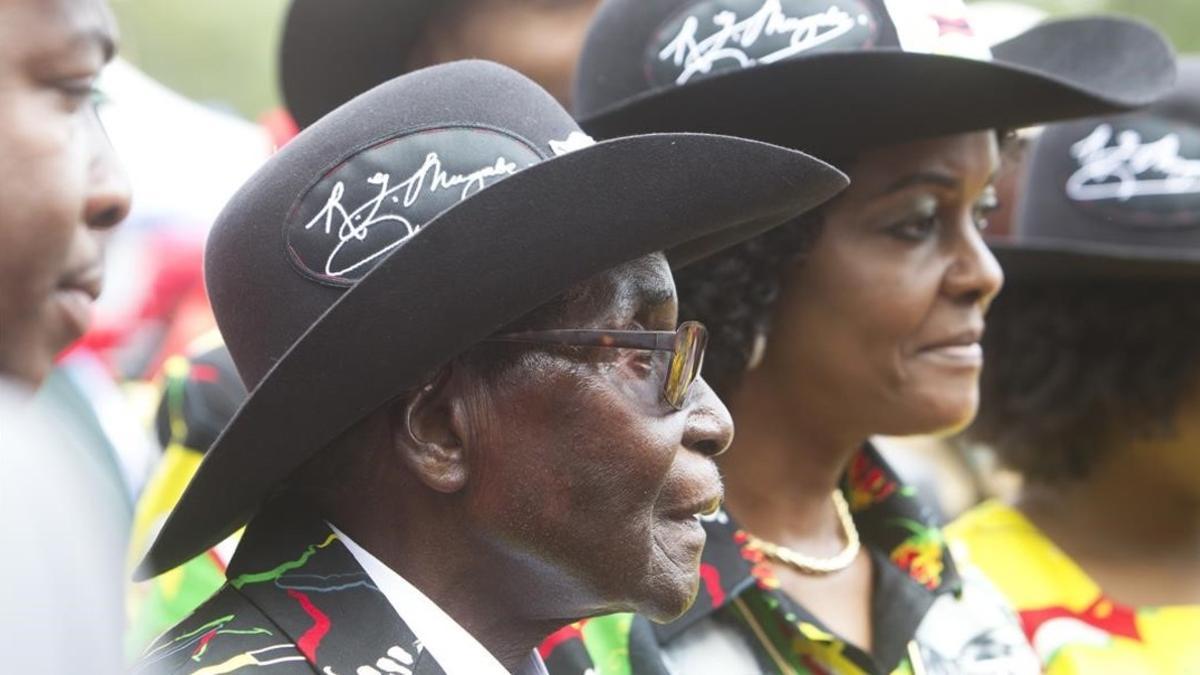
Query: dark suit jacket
x=295, y=601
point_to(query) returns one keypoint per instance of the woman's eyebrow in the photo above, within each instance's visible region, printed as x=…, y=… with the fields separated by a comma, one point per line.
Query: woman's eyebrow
x=934, y=178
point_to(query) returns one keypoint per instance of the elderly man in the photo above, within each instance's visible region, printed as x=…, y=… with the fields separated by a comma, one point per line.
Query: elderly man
x=332, y=50
x=472, y=418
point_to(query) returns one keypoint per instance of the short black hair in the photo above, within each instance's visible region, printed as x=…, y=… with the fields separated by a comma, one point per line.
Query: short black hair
x=1074, y=371
x=733, y=293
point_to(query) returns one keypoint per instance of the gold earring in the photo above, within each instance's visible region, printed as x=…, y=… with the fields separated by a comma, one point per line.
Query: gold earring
x=758, y=351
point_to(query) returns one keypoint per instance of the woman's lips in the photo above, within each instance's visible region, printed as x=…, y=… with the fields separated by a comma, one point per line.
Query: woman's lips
x=955, y=355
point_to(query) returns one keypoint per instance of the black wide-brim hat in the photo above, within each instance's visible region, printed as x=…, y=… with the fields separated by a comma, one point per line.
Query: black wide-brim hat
x=1113, y=198
x=418, y=219
x=333, y=50
x=837, y=76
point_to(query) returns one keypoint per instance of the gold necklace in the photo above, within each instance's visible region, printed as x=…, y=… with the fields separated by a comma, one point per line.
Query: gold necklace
x=811, y=564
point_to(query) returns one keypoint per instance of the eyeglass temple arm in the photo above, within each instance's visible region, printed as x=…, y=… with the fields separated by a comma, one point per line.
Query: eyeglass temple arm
x=649, y=340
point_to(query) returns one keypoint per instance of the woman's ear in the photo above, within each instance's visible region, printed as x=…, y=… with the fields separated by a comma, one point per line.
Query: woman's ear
x=427, y=432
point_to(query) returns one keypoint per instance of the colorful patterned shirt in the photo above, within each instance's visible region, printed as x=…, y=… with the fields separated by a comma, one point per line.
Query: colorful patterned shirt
x=200, y=394
x=928, y=615
x=1075, y=628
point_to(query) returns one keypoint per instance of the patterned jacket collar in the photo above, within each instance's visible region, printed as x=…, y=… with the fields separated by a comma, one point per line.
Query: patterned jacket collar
x=900, y=532
x=294, y=569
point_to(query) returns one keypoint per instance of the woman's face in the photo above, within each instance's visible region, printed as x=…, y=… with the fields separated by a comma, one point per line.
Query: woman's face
x=878, y=330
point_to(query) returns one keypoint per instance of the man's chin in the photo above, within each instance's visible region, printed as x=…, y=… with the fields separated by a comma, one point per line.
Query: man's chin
x=666, y=611
x=670, y=601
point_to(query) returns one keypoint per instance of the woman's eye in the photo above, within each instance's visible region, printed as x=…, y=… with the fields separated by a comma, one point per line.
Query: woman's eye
x=919, y=223
x=984, y=207
x=916, y=228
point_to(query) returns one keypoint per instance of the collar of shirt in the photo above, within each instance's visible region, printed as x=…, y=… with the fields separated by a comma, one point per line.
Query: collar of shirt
x=912, y=564
x=456, y=650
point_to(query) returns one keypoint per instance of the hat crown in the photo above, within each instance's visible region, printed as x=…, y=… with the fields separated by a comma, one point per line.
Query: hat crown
x=1130, y=181
x=639, y=46
x=361, y=183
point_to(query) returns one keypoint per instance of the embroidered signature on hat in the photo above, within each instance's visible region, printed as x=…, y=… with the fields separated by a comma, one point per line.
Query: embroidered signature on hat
x=380, y=198
x=1122, y=166
x=777, y=30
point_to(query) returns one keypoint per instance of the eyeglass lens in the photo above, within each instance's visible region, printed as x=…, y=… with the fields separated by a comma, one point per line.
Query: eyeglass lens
x=690, y=343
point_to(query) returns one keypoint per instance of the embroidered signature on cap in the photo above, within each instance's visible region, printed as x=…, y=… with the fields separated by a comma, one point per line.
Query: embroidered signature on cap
x=777, y=30
x=1121, y=166
x=376, y=201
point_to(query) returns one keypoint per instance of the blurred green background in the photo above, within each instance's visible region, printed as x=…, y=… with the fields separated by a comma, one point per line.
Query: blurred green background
x=222, y=52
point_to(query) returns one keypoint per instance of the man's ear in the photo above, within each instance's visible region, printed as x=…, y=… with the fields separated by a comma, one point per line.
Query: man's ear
x=427, y=432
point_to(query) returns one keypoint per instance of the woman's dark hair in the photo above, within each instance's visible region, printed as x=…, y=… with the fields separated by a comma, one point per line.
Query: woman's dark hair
x=1075, y=371
x=733, y=293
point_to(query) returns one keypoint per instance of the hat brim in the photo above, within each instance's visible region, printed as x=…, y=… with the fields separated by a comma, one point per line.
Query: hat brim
x=837, y=103
x=480, y=265
x=1046, y=260
x=333, y=50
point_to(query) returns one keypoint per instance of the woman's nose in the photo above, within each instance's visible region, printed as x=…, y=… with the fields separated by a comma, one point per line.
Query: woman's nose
x=975, y=275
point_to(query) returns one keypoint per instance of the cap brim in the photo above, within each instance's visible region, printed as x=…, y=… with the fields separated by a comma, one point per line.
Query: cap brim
x=1068, y=261
x=478, y=266
x=334, y=50
x=837, y=103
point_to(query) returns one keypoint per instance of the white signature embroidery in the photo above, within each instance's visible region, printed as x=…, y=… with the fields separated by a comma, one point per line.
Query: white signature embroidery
x=1117, y=171
x=356, y=225
x=733, y=38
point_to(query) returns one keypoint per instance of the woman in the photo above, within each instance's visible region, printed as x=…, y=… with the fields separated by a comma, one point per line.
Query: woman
x=861, y=319
x=1093, y=395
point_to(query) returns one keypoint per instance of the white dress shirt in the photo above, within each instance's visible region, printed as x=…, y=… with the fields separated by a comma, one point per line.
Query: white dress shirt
x=455, y=650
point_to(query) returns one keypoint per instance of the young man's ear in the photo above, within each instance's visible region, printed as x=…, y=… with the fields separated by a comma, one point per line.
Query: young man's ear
x=427, y=432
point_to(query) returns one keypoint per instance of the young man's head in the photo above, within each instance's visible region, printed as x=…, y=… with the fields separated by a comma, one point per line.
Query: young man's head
x=60, y=186
x=540, y=38
x=334, y=50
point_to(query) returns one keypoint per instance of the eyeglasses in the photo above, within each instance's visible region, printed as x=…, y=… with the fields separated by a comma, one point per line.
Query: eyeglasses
x=686, y=344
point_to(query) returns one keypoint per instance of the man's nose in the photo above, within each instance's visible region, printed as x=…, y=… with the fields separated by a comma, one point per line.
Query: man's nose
x=108, y=192
x=709, y=429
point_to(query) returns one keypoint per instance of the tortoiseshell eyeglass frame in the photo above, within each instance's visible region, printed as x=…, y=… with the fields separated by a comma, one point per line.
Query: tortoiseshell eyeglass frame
x=686, y=344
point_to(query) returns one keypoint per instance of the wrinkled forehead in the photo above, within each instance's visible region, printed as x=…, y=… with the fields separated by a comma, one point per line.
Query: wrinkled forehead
x=627, y=290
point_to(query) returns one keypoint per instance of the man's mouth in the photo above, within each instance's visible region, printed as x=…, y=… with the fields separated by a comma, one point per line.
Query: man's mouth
x=75, y=294
x=699, y=509
x=88, y=280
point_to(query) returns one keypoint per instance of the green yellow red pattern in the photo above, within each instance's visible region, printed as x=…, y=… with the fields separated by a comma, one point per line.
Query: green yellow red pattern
x=1073, y=626
x=740, y=601
x=199, y=394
